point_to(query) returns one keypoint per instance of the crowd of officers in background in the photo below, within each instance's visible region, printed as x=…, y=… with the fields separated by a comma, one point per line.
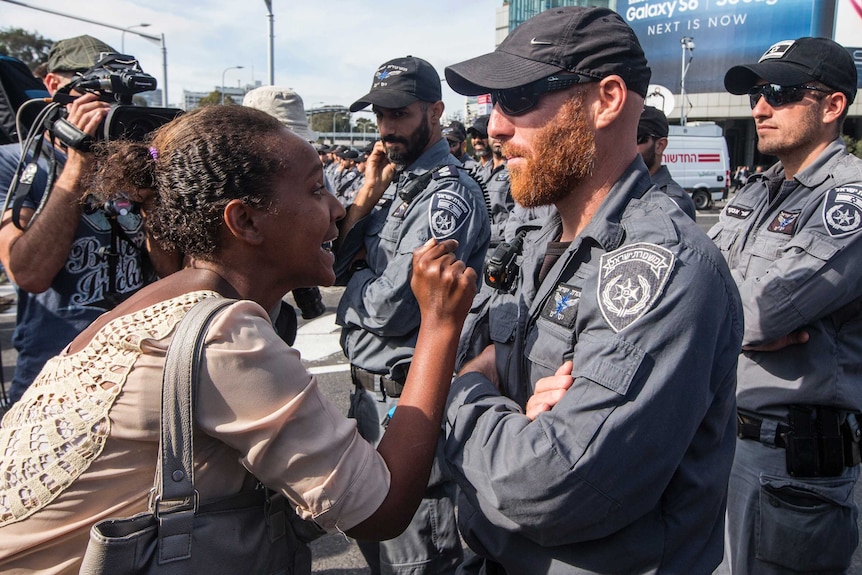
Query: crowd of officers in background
x=344, y=170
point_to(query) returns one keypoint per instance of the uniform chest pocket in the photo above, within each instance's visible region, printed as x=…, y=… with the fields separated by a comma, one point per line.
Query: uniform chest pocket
x=549, y=344
x=503, y=320
x=406, y=229
x=723, y=237
x=769, y=245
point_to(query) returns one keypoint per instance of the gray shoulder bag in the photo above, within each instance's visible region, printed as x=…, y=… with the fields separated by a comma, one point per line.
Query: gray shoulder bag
x=249, y=532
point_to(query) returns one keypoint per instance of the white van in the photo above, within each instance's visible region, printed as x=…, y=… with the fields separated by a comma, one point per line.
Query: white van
x=696, y=156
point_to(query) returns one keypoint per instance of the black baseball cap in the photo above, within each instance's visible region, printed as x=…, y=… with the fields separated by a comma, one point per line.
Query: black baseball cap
x=348, y=154
x=400, y=82
x=479, y=127
x=653, y=122
x=455, y=131
x=594, y=42
x=795, y=62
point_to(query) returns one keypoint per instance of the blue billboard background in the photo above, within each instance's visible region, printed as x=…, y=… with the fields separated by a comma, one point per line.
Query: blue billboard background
x=725, y=33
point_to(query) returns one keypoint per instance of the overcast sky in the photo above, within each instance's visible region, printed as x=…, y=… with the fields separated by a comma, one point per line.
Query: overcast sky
x=326, y=50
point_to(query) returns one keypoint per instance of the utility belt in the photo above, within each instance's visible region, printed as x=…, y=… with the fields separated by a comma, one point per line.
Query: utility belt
x=370, y=381
x=818, y=441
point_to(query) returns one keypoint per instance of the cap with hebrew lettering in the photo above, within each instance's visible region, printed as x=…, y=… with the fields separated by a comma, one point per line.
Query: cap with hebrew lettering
x=76, y=54
x=400, y=82
x=594, y=42
x=796, y=62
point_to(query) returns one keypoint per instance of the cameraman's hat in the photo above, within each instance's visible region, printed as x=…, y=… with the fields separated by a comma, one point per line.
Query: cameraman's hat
x=593, y=42
x=400, y=82
x=795, y=62
x=285, y=105
x=76, y=54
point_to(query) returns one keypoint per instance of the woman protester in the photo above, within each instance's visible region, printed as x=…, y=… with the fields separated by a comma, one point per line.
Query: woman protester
x=245, y=198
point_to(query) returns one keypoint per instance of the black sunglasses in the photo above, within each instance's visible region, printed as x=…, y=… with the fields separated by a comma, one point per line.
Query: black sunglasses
x=777, y=95
x=519, y=100
x=644, y=138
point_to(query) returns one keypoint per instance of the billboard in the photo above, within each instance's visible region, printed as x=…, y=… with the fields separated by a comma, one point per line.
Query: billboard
x=725, y=33
x=848, y=31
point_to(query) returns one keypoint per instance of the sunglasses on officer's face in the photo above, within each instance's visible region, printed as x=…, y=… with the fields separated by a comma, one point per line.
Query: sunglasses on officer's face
x=777, y=95
x=519, y=100
x=644, y=138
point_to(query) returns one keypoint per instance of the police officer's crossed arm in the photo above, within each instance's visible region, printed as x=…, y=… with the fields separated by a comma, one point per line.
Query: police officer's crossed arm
x=547, y=392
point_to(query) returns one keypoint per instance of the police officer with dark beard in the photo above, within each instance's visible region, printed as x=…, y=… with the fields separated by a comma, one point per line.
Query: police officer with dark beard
x=414, y=190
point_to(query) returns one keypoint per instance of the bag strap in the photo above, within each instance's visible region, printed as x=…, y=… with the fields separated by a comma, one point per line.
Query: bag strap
x=176, y=501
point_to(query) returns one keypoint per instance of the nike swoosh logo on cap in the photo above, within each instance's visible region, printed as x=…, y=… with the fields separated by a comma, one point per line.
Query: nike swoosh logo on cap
x=535, y=42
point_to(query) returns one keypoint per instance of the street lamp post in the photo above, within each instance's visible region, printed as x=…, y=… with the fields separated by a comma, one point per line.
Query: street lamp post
x=271, y=56
x=141, y=34
x=687, y=46
x=222, y=78
x=123, y=35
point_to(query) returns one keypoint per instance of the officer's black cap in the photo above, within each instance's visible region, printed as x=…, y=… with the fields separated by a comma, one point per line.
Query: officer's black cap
x=455, y=132
x=594, y=42
x=400, y=82
x=653, y=122
x=348, y=154
x=479, y=127
x=795, y=62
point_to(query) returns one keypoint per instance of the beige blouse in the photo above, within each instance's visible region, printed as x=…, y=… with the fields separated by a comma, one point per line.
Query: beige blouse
x=81, y=445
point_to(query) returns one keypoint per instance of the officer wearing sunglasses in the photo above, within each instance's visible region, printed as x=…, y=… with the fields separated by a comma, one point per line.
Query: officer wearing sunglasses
x=591, y=427
x=793, y=238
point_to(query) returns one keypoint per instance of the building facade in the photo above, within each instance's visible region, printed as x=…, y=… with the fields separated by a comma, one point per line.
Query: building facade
x=690, y=44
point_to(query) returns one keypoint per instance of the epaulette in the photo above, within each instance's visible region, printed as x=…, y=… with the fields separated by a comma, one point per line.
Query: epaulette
x=447, y=171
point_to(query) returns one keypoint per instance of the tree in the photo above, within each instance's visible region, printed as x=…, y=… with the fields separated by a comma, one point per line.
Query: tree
x=29, y=47
x=365, y=125
x=214, y=98
x=322, y=121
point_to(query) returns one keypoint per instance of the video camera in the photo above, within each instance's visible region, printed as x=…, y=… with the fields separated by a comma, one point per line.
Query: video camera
x=115, y=78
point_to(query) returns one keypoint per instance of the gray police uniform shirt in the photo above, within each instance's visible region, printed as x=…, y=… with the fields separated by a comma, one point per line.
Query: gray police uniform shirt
x=497, y=183
x=628, y=472
x=378, y=310
x=677, y=193
x=796, y=261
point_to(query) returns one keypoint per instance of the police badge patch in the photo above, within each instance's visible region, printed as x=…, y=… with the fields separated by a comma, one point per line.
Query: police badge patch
x=842, y=211
x=631, y=279
x=447, y=213
x=562, y=309
x=784, y=222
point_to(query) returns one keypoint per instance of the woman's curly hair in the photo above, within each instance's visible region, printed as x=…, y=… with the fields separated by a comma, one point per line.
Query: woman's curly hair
x=195, y=165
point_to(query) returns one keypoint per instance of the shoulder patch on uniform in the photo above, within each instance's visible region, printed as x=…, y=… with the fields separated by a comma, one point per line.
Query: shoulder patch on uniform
x=447, y=171
x=503, y=176
x=737, y=212
x=631, y=280
x=447, y=212
x=562, y=308
x=842, y=211
x=784, y=222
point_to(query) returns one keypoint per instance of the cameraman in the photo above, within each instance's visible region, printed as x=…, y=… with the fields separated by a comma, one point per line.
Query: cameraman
x=72, y=263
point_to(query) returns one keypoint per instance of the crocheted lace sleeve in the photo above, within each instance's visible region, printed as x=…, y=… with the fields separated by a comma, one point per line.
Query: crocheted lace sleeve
x=60, y=426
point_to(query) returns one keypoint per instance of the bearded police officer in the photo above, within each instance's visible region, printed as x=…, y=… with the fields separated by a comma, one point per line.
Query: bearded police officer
x=792, y=238
x=652, y=140
x=414, y=190
x=595, y=433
